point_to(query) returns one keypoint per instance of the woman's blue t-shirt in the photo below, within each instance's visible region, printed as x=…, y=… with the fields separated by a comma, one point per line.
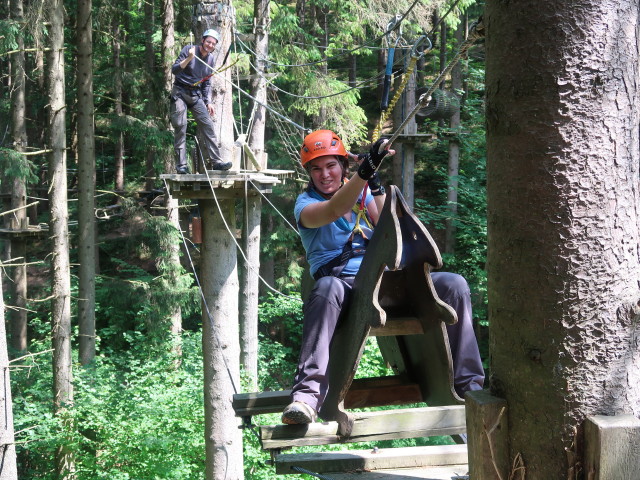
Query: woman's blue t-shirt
x=324, y=243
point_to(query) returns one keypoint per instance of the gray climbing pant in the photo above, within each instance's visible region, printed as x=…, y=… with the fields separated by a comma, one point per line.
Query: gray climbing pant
x=183, y=98
x=324, y=309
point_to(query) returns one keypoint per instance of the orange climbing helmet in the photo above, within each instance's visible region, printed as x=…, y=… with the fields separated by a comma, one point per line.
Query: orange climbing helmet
x=320, y=143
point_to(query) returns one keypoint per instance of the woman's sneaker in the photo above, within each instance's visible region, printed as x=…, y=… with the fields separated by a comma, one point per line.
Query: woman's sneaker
x=297, y=413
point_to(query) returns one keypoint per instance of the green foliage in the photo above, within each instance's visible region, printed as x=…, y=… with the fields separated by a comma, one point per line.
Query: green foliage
x=135, y=416
x=16, y=165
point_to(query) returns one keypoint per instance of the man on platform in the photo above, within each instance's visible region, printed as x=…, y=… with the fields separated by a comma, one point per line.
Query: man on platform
x=191, y=90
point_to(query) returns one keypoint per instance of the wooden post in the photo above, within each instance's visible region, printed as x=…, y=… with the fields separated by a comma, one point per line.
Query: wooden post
x=220, y=346
x=487, y=429
x=612, y=447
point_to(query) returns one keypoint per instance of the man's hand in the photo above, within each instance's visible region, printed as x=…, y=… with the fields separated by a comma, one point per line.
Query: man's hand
x=210, y=109
x=192, y=53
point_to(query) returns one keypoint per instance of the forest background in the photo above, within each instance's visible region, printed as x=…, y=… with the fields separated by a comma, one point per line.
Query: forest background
x=137, y=411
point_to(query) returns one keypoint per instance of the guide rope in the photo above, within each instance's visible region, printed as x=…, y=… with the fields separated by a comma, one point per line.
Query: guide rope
x=475, y=32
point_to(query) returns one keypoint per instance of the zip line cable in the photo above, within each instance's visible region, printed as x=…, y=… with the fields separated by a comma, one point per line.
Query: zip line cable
x=358, y=85
x=299, y=127
x=347, y=52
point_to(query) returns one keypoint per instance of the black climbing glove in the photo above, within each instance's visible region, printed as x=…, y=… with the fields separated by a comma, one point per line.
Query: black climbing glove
x=371, y=161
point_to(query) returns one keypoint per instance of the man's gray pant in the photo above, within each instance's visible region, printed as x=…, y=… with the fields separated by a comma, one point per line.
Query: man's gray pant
x=183, y=98
x=323, y=310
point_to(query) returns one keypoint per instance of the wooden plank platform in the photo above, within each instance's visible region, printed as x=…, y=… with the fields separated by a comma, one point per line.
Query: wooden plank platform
x=31, y=231
x=368, y=460
x=229, y=184
x=369, y=427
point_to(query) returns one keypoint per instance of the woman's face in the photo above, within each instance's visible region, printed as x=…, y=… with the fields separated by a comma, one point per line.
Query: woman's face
x=326, y=174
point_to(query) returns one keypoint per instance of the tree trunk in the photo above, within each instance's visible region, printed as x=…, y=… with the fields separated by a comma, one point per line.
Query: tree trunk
x=151, y=79
x=168, y=56
x=9, y=469
x=250, y=268
x=59, y=232
x=86, y=188
x=171, y=204
x=220, y=345
x=118, y=182
x=19, y=192
x=563, y=211
x=454, y=152
x=220, y=334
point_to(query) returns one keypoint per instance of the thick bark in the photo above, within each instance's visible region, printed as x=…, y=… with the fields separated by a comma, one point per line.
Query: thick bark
x=86, y=188
x=563, y=209
x=58, y=231
x=220, y=345
x=18, y=317
x=9, y=469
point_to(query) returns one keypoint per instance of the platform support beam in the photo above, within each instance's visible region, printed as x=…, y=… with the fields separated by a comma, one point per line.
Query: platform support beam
x=487, y=430
x=612, y=447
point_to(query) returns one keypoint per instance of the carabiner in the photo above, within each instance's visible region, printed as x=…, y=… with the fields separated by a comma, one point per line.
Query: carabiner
x=419, y=42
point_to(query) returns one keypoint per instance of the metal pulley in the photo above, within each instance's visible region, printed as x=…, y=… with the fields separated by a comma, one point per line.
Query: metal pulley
x=443, y=105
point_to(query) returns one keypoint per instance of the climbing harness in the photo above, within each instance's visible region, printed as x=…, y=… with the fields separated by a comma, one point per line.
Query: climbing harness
x=475, y=32
x=335, y=266
x=415, y=56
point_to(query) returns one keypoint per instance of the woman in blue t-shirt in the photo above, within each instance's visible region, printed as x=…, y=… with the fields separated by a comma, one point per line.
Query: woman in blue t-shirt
x=335, y=223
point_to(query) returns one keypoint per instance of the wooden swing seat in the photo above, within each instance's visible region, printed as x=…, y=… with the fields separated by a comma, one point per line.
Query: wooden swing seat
x=395, y=300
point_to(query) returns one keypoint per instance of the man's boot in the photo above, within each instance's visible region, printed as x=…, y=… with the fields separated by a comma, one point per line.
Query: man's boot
x=220, y=165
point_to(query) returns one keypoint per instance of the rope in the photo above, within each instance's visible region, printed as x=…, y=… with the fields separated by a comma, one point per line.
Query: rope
x=476, y=32
x=206, y=305
x=383, y=116
x=275, y=208
x=309, y=472
x=233, y=238
x=286, y=134
x=358, y=85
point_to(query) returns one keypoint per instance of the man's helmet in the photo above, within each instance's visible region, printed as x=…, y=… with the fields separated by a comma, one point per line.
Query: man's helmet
x=211, y=33
x=320, y=143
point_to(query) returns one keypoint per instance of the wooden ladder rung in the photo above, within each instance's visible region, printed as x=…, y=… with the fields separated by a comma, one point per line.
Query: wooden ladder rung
x=370, y=427
x=369, y=460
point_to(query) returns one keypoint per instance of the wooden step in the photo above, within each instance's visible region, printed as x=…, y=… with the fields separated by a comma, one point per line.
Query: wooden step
x=364, y=392
x=447, y=472
x=368, y=460
x=369, y=427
